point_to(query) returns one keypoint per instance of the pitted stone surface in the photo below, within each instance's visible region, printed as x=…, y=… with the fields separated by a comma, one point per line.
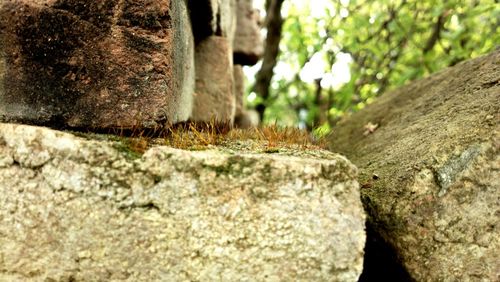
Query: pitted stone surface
x=96, y=64
x=86, y=210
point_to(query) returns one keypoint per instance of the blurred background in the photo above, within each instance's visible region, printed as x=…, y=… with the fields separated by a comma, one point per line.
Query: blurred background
x=328, y=58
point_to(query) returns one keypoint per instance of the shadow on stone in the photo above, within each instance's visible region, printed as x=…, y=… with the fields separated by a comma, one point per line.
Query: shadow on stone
x=381, y=262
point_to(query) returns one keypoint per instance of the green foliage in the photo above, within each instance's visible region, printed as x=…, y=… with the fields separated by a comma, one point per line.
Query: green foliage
x=390, y=42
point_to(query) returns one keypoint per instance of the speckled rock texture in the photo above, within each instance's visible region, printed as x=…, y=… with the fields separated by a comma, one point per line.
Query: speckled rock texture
x=76, y=209
x=429, y=159
x=100, y=64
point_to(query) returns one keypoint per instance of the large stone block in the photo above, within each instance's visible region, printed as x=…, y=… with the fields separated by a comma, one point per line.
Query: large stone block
x=429, y=155
x=95, y=64
x=204, y=17
x=73, y=209
x=228, y=19
x=248, y=45
x=214, y=94
x=244, y=118
x=213, y=17
x=239, y=88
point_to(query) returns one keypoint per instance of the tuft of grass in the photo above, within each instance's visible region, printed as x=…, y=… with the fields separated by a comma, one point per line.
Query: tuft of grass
x=201, y=135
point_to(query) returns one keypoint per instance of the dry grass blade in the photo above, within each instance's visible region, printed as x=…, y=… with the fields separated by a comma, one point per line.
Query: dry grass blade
x=199, y=135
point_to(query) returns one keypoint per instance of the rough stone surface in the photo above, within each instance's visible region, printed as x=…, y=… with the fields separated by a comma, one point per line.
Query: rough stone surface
x=204, y=17
x=228, y=19
x=214, y=94
x=430, y=171
x=74, y=209
x=103, y=64
x=248, y=44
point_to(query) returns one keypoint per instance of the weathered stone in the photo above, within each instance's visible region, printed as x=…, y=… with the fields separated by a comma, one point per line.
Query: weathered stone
x=248, y=45
x=429, y=155
x=247, y=119
x=95, y=64
x=74, y=209
x=203, y=16
x=213, y=17
x=228, y=19
x=214, y=94
x=239, y=88
x=244, y=118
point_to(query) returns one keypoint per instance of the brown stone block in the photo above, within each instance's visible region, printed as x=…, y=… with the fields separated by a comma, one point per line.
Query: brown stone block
x=239, y=88
x=95, y=64
x=213, y=17
x=214, y=98
x=247, y=119
x=243, y=118
x=248, y=45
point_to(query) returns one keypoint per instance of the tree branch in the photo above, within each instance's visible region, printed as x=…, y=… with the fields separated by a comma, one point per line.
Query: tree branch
x=436, y=33
x=273, y=24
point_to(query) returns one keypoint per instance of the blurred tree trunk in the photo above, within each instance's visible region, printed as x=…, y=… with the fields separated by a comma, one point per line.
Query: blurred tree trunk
x=324, y=101
x=273, y=24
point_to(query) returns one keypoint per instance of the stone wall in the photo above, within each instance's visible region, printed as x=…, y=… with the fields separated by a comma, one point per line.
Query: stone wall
x=227, y=37
x=67, y=63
